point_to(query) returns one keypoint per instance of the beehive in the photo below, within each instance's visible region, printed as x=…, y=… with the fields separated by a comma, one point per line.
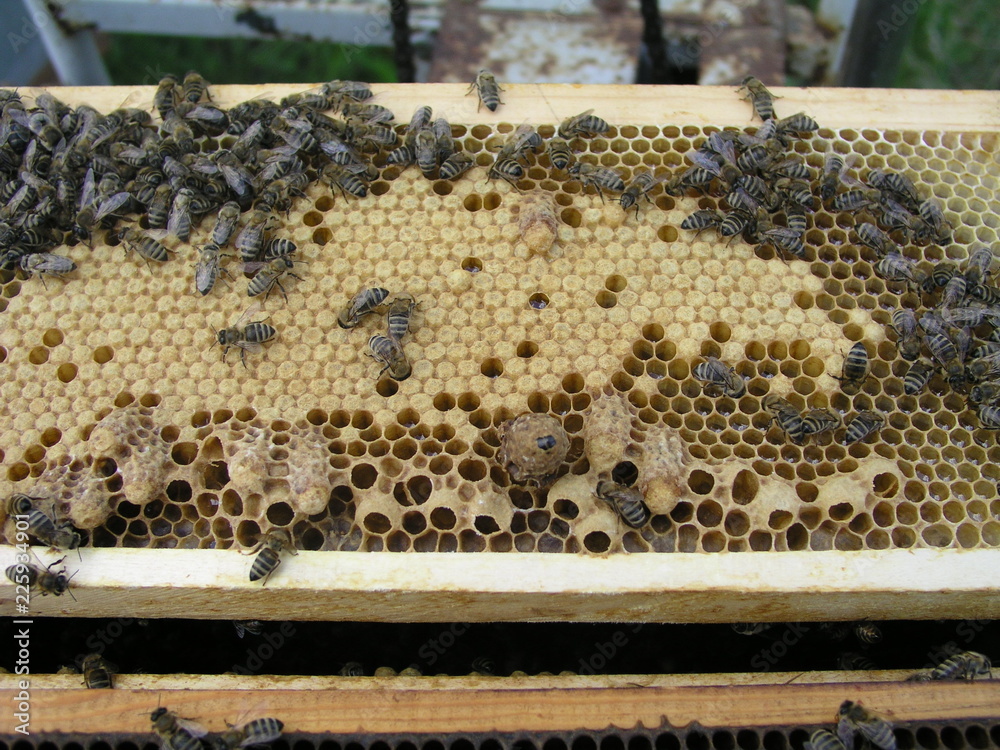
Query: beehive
x=112, y=382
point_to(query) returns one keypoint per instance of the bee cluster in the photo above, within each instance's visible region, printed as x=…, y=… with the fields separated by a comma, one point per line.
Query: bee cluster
x=506, y=332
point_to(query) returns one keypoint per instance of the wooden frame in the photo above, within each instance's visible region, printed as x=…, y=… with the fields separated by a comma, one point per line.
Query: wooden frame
x=491, y=704
x=923, y=583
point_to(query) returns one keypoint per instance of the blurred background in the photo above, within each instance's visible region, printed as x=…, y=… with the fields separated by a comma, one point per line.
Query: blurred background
x=946, y=44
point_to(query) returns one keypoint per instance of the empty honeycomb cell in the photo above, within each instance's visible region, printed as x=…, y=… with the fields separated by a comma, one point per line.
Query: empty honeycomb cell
x=52, y=337
x=606, y=299
x=38, y=356
x=472, y=265
x=363, y=476
x=538, y=301
x=67, y=372
x=709, y=513
x=737, y=523
x=937, y=535
x=797, y=537
x=491, y=367
x=405, y=449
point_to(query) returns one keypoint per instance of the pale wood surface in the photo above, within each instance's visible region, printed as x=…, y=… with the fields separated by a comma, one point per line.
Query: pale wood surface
x=902, y=109
x=493, y=704
x=485, y=587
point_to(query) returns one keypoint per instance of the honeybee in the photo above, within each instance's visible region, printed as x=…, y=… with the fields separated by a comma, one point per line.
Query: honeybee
x=46, y=264
x=488, y=89
x=484, y=666
x=641, y=186
x=225, y=224
x=166, y=95
x=989, y=416
x=425, y=151
x=399, y=314
x=346, y=181
x=269, y=550
x=254, y=627
x=175, y=733
x=967, y=665
x=269, y=276
x=279, y=247
x=363, y=112
x=20, y=504
x=761, y=99
x=703, y=219
x=917, y=377
x=58, y=536
x=43, y=580
x=444, y=142
x=715, y=373
x=194, y=87
x=823, y=739
x=147, y=247
x=356, y=90
x=96, y=672
x=262, y=731
x=904, y=323
x=352, y=669
x=628, y=502
x=856, y=199
x=856, y=366
x=560, y=154
x=246, y=338
x=508, y=170
x=420, y=120
x=455, y=166
x=985, y=393
x=868, y=632
x=977, y=269
x=818, y=421
x=834, y=175
x=523, y=140
x=933, y=217
x=862, y=425
x=853, y=717
x=179, y=221
x=364, y=302
x=898, y=186
x=389, y=352
x=601, y=178
x=896, y=267
x=787, y=417
x=794, y=125
x=584, y=124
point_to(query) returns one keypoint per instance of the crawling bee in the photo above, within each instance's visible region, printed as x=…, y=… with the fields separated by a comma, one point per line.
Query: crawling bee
x=706, y=218
x=787, y=417
x=175, y=733
x=823, y=739
x=257, y=732
x=194, y=87
x=868, y=632
x=985, y=393
x=795, y=125
x=250, y=241
x=484, y=666
x=876, y=239
x=862, y=425
x=641, y=186
x=935, y=224
x=896, y=267
x=343, y=179
x=279, y=247
x=917, y=377
x=818, y=421
x=364, y=302
x=268, y=551
x=352, y=669
x=989, y=416
x=147, y=247
x=904, y=323
x=425, y=151
x=584, y=124
x=242, y=627
x=601, y=178
x=488, y=89
x=389, y=352
x=834, y=175
x=269, y=276
x=44, y=264
x=856, y=199
x=96, y=672
x=856, y=366
x=399, y=314
x=714, y=373
x=58, y=536
x=560, y=154
x=207, y=269
x=853, y=718
x=455, y=166
x=43, y=580
x=968, y=665
x=761, y=99
x=509, y=170
x=977, y=269
x=225, y=223
x=246, y=338
x=628, y=502
x=522, y=141
x=898, y=186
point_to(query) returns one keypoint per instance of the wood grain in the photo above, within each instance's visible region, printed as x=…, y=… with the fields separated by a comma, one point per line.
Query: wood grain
x=415, y=705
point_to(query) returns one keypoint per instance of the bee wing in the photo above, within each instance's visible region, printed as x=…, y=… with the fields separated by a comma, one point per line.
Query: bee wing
x=111, y=204
x=705, y=162
x=247, y=314
x=89, y=190
x=845, y=733
x=254, y=266
x=879, y=733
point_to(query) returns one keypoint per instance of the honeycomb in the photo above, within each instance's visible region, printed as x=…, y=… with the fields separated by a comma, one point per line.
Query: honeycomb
x=114, y=392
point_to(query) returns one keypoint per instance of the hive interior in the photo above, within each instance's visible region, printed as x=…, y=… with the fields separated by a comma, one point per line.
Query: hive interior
x=308, y=438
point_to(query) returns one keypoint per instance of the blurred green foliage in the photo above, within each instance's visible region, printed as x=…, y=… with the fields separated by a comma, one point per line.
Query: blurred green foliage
x=955, y=44
x=144, y=59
